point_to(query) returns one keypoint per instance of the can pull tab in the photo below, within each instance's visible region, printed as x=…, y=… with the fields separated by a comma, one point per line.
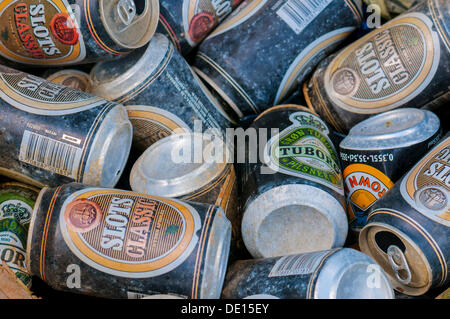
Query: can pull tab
x=399, y=264
x=126, y=11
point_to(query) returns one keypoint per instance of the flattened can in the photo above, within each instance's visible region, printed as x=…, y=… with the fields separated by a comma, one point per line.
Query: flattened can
x=404, y=63
x=17, y=201
x=341, y=273
x=378, y=151
x=126, y=243
x=293, y=194
x=61, y=32
x=265, y=48
x=158, y=76
x=51, y=134
x=210, y=179
x=186, y=23
x=407, y=230
x=72, y=78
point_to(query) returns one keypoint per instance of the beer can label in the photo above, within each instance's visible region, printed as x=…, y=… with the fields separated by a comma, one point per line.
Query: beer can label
x=151, y=124
x=37, y=32
x=386, y=68
x=126, y=234
x=427, y=186
x=364, y=185
x=35, y=95
x=293, y=265
x=305, y=150
x=13, y=238
x=15, y=206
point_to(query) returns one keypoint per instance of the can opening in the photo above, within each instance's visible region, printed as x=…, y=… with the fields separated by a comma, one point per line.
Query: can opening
x=140, y=6
x=385, y=239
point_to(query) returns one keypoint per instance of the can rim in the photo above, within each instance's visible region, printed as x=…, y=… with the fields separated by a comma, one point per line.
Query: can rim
x=193, y=181
x=83, y=76
x=31, y=227
x=282, y=106
x=365, y=248
x=366, y=135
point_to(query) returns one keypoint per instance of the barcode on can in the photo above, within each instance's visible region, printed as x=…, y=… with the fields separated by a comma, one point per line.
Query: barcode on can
x=299, y=13
x=50, y=154
x=297, y=264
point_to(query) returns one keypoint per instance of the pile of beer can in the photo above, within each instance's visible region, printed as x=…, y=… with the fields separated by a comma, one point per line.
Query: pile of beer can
x=225, y=148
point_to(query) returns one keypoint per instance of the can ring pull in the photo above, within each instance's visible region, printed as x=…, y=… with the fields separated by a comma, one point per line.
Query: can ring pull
x=399, y=264
x=126, y=10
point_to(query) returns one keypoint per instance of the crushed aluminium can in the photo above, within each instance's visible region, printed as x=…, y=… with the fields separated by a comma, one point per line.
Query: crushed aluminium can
x=404, y=63
x=341, y=273
x=138, y=81
x=293, y=194
x=188, y=22
x=72, y=78
x=407, y=230
x=126, y=243
x=265, y=48
x=51, y=134
x=61, y=32
x=378, y=151
x=209, y=179
x=17, y=201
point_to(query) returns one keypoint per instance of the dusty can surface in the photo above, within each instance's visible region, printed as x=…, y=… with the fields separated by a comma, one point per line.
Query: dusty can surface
x=61, y=32
x=188, y=22
x=51, y=134
x=341, y=273
x=127, y=243
x=407, y=230
x=72, y=78
x=209, y=179
x=265, y=48
x=293, y=195
x=17, y=201
x=404, y=63
x=139, y=80
x=378, y=151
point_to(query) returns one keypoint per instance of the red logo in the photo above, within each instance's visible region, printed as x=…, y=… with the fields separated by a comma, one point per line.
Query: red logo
x=82, y=215
x=64, y=29
x=201, y=24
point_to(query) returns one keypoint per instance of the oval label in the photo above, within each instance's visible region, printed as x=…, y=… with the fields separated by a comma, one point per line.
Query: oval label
x=127, y=234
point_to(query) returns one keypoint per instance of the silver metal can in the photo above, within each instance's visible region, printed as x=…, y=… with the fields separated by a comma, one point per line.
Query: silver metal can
x=331, y=274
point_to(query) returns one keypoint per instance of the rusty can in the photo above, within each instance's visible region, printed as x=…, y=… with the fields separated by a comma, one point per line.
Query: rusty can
x=378, y=151
x=408, y=229
x=126, y=243
x=404, y=63
x=293, y=195
x=51, y=134
x=265, y=48
x=188, y=22
x=342, y=273
x=17, y=201
x=72, y=78
x=207, y=179
x=61, y=32
x=139, y=80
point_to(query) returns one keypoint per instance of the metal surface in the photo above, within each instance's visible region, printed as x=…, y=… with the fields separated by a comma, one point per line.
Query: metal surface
x=72, y=78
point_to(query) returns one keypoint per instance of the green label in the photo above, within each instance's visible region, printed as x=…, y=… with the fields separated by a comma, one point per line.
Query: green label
x=17, y=207
x=304, y=150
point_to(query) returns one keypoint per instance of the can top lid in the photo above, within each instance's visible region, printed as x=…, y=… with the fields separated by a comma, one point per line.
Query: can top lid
x=179, y=164
x=114, y=79
x=130, y=23
x=393, y=129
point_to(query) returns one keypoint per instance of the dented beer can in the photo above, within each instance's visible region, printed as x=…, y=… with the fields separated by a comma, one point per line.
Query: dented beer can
x=126, y=244
x=188, y=22
x=378, y=151
x=265, y=48
x=51, y=134
x=62, y=32
x=74, y=79
x=342, y=273
x=404, y=63
x=191, y=167
x=138, y=82
x=293, y=194
x=17, y=201
x=408, y=229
